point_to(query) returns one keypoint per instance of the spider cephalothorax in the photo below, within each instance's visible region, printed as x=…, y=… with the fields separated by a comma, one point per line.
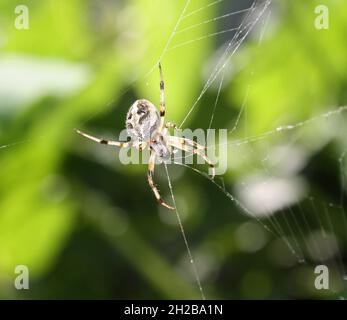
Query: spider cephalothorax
x=147, y=129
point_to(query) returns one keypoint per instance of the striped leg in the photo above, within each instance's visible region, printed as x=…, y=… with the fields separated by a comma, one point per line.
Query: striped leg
x=103, y=141
x=170, y=125
x=188, y=142
x=162, y=100
x=150, y=173
x=191, y=146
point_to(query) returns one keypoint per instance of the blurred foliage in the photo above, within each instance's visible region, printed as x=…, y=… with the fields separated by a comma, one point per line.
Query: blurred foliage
x=89, y=227
x=305, y=69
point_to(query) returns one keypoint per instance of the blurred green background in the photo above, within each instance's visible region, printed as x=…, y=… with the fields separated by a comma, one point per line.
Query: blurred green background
x=89, y=227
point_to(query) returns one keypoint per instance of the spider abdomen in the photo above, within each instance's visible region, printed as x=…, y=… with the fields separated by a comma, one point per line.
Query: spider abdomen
x=142, y=120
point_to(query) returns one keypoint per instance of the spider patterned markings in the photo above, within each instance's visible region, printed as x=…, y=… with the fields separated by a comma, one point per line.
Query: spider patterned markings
x=147, y=128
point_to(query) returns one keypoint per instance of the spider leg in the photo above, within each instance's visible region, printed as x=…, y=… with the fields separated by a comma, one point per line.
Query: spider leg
x=170, y=125
x=162, y=100
x=150, y=173
x=188, y=142
x=190, y=145
x=103, y=141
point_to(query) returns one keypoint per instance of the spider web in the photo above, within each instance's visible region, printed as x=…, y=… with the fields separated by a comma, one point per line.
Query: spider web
x=315, y=239
x=316, y=231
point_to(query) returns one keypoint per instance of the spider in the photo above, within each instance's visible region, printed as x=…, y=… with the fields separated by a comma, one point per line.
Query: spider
x=147, y=129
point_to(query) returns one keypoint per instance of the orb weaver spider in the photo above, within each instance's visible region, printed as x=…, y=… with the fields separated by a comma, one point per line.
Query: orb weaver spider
x=147, y=129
